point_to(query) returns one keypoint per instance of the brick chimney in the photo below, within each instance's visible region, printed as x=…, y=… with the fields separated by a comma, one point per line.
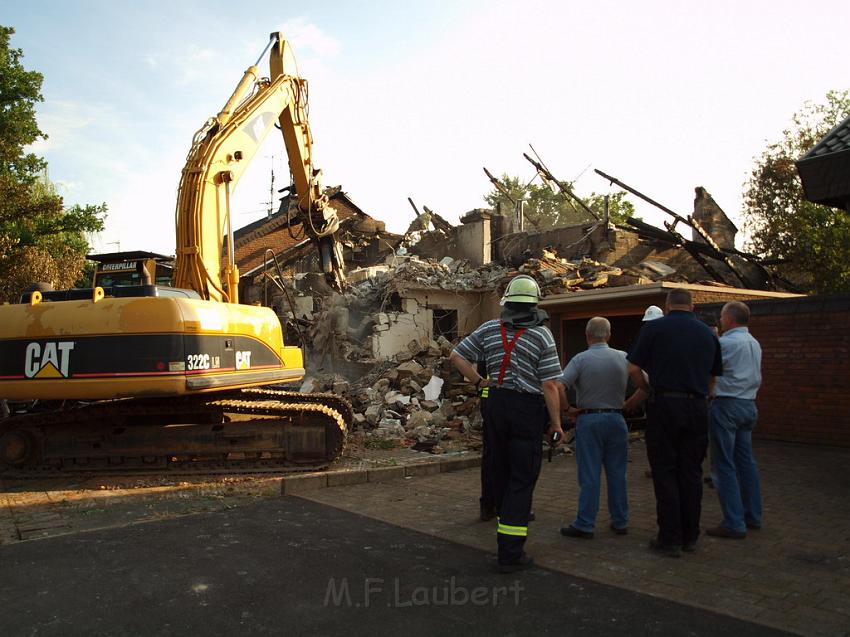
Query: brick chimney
x=473, y=237
x=712, y=218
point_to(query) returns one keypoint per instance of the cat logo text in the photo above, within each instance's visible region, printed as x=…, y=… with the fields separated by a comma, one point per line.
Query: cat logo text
x=48, y=360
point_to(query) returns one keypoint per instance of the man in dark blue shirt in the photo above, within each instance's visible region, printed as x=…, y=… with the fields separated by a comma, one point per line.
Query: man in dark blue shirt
x=681, y=355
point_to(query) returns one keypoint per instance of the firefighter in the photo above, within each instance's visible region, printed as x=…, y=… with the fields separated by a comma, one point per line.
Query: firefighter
x=522, y=376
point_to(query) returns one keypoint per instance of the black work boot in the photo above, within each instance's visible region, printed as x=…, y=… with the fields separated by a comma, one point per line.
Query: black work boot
x=487, y=513
x=525, y=561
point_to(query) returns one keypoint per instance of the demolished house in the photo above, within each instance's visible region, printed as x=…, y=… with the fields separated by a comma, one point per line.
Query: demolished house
x=385, y=342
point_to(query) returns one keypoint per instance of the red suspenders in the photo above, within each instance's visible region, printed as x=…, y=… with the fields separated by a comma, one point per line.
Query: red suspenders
x=509, y=347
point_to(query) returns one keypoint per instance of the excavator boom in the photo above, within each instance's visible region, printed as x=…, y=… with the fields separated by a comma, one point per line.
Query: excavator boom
x=221, y=152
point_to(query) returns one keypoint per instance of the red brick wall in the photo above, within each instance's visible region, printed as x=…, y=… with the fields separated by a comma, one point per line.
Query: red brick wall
x=805, y=392
x=251, y=247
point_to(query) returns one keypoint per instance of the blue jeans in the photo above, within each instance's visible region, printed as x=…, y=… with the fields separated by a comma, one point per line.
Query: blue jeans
x=601, y=440
x=736, y=475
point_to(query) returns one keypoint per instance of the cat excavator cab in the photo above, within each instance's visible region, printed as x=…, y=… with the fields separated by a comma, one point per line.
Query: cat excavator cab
x=163, y=377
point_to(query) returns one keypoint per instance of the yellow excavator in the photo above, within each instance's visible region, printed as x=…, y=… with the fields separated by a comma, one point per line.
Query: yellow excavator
x=149, y=377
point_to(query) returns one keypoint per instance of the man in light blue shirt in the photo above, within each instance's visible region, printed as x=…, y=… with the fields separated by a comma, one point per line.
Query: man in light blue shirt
x=732, y=417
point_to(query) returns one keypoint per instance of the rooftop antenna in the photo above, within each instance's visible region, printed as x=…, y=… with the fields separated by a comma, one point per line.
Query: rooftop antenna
x=270, y=209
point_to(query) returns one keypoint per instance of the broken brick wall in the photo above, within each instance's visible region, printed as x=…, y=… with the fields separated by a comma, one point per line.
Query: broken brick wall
x=567, y=241
x=470, y=241
x=395, y=330
x=428, y=313
x=272, y=232
x=805, y=344
x=629, y=251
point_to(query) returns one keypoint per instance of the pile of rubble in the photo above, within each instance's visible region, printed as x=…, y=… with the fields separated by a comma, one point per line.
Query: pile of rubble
x=558, y=276
x=447, y=274
x=370, y=288
x=554, y=275
x=418, y=400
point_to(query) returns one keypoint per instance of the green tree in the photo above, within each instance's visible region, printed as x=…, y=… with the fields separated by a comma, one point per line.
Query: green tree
x=40, y=239
x=619, y=208
x=548, y=208
x=780, y=222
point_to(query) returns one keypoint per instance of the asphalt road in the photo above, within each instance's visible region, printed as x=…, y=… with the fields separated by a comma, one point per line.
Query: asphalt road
x=287, y=566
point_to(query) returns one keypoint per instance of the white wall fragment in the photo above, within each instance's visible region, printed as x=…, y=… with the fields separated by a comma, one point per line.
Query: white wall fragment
x=433, y=388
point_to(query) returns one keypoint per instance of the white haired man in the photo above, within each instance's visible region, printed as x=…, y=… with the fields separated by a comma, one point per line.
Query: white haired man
x=732, y=417
x=599, y=375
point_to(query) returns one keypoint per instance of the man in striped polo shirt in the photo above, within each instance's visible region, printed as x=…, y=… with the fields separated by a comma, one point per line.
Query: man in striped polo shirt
x=523, y=369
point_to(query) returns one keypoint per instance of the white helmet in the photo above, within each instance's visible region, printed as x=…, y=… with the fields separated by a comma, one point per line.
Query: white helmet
x=653, y=312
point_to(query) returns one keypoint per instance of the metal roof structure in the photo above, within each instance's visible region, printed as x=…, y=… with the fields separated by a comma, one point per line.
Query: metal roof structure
x=825, y=169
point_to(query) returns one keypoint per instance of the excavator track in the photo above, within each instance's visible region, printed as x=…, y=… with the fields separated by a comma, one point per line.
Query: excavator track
x=334, y=401
x=248, y=431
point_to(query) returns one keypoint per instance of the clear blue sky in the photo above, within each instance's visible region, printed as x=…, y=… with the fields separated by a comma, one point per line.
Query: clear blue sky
x=412, y=99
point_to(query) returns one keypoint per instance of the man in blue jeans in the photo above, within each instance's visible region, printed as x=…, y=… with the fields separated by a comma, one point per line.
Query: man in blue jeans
x=599, y=375
x=732, y=417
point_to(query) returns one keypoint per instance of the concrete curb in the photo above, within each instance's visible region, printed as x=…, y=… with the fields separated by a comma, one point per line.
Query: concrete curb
x=305, y=482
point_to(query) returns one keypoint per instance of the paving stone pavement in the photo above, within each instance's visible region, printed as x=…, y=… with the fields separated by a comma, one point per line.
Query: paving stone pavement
x=38, y=509
x=42, y=507
x=794, y=574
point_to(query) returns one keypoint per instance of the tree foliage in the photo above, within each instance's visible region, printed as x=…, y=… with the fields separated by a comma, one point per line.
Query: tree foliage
x=781, y=223
x=548, y=208
x=619, y=208
x=40, y=239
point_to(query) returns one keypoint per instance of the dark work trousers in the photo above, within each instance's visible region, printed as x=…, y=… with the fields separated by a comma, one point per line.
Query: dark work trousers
x=676, y=441
x=516, y=423
x=488, y=498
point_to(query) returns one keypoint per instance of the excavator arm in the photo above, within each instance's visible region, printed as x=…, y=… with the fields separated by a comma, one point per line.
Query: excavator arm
x=221, y=152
